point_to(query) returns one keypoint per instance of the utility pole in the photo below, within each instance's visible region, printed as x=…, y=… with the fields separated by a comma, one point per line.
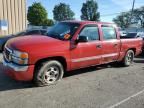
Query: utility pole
x=133, y=5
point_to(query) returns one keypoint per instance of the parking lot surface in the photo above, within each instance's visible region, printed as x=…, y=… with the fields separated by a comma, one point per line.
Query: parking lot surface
x=106, y=86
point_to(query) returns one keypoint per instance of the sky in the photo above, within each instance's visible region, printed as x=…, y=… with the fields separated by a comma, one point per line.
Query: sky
x=108, y=9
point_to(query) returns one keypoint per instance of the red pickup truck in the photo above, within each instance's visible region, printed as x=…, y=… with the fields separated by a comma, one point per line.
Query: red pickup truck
x=67, y=46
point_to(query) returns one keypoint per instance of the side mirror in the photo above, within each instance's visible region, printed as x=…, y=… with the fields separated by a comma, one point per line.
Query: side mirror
x=82, y=39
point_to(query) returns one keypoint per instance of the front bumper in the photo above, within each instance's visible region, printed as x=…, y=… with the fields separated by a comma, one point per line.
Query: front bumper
x=15, y=67
x=20, y=73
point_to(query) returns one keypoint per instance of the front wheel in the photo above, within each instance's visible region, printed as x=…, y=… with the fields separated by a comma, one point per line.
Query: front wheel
x=128, y=59
x=49, y=73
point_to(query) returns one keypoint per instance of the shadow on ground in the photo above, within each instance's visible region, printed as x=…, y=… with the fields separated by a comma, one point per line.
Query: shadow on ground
x=139, y=59
x=7, y=83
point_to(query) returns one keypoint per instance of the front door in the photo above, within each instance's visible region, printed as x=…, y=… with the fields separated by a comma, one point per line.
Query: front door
x=87, y=53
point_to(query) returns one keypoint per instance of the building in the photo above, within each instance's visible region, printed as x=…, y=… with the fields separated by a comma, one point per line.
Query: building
x=12, y=16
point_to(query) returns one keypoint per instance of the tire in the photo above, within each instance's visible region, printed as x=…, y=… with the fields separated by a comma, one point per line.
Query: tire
x=48, y=73
x=128, y=59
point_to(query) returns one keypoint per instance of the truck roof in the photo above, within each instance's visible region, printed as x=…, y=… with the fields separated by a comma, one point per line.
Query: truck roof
x=88, y=22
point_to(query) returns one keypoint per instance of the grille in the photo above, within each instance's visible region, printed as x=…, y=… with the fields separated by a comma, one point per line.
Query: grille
x=7, y=54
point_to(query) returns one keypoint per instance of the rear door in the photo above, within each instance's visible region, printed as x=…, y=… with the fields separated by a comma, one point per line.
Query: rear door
x=87, y=53
x=110, y=44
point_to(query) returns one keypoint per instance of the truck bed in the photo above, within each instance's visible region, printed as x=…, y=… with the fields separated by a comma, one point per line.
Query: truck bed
x=132, y=43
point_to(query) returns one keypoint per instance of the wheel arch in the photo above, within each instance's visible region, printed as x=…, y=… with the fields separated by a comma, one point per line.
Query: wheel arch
x=61, y=59
x=133, y=49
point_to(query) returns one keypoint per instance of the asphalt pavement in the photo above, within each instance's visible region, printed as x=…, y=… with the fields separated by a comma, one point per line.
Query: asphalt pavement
x=105, y=86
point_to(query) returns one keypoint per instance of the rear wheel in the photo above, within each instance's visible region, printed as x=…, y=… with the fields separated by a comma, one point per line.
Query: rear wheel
x=128, y=59
x=49, y=73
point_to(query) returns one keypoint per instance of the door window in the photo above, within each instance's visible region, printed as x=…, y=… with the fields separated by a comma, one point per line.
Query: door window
x=109, y=33
x=91, y=32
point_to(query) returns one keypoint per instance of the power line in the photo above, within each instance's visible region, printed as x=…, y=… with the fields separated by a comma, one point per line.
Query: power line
x=133, y=5
x=111, y=14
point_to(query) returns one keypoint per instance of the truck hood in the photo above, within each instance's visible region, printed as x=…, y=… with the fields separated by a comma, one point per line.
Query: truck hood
x=36, y=43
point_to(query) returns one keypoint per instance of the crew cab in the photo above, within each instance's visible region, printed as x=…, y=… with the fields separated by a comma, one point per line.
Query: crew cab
x=67, y=46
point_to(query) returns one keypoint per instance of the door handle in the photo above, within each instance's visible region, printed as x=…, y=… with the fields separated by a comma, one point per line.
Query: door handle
x=98, y=46
x=115, y=45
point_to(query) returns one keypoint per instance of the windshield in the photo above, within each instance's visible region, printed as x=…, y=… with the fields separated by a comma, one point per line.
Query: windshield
x=63, y=30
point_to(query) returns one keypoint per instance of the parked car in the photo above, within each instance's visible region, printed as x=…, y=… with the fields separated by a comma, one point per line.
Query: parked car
x=67, y=46
x=133, y=35
x=3, y=40
x=122, y=32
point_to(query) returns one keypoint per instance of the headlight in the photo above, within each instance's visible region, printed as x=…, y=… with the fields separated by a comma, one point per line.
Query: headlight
x=20, y=57
x=19, y=54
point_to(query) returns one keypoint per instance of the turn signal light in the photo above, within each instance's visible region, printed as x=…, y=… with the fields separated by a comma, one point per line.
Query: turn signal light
x=24, y=56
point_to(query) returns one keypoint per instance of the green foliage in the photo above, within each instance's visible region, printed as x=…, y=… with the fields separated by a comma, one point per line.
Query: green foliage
x=37, y=15
x=63, y=12
x=89, y=11
x=138, y=15
x=48, y=22
x=123, y=20
x=126, y=18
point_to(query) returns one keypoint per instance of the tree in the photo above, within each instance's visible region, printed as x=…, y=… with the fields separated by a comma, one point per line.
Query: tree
x=37, y=15
x=125, y=19
x=89, y=11
x=122, y=20
x=139, y=15
x=48, y=22
x=63, y=12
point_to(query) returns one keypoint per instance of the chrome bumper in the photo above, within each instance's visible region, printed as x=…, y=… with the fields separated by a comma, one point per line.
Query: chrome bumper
x=15, y=67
